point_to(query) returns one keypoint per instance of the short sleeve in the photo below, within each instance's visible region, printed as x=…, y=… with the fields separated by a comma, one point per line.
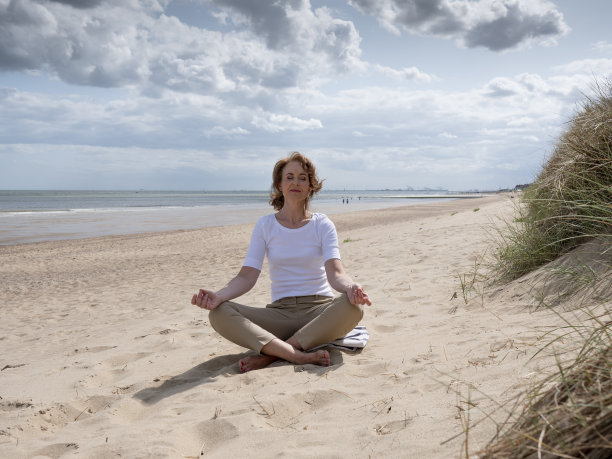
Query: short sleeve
x=329, y=240
x=257, y=248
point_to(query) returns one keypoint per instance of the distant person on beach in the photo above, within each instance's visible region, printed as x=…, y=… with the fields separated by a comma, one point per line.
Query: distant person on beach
x=304, y=264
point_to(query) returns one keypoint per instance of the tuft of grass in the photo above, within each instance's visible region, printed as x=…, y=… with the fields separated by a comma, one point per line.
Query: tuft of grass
x=570, y=201
x=474, y=280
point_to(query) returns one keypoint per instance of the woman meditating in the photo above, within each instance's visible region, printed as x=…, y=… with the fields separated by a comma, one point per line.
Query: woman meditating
x=304, y=263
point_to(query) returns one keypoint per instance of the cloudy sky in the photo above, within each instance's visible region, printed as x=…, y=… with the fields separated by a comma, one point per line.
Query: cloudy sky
x=208, y=94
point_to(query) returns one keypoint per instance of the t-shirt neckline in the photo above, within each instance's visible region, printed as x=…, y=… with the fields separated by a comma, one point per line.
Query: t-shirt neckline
x=293, y=229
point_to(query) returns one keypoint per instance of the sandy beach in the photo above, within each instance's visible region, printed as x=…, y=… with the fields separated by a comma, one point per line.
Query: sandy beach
x=104, y=356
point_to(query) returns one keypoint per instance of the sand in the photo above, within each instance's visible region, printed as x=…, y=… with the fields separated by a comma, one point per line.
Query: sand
x=102, y=354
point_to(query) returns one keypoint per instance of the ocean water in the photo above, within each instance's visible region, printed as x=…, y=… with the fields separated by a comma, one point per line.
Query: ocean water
x=34, y=216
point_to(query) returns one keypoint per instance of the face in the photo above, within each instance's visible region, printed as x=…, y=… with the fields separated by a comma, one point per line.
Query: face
x=295, y=183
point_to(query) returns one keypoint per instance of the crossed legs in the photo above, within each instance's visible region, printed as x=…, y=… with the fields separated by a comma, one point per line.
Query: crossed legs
x=265, y=330
x=286, y=350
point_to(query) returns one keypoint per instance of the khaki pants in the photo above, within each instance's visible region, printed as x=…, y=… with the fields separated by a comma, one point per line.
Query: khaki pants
x=313, y=320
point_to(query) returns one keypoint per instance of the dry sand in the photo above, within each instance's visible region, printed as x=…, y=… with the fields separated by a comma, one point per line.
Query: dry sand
x=102, y=354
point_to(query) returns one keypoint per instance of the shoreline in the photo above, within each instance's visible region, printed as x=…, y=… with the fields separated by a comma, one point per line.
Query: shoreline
x=248, y=216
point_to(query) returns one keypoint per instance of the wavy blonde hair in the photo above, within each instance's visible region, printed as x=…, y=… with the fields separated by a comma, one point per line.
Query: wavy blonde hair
x=276, y=196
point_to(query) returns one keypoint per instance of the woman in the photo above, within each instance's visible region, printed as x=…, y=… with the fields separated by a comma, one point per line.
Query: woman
x=304, y=263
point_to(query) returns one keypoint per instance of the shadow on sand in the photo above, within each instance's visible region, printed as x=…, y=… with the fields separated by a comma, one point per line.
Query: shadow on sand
x=200, y=374
x=224, y=365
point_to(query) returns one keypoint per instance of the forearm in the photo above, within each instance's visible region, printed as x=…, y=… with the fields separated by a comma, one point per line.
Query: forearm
x=234, y=288
x=239, y=285
x=340, y=282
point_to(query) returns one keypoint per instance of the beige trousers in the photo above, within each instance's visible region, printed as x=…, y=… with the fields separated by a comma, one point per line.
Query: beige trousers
x=313, y=320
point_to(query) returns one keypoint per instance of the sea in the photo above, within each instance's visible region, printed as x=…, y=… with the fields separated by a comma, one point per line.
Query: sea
x=43, y=215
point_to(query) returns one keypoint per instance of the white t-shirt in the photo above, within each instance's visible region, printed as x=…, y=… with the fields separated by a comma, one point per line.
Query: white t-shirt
x=296, y=257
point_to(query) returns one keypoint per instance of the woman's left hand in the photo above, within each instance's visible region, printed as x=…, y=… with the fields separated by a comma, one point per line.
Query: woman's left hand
x=356, y=295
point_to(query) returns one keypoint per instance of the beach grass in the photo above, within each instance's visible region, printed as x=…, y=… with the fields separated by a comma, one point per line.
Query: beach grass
x=570, y=201
x=569, y=206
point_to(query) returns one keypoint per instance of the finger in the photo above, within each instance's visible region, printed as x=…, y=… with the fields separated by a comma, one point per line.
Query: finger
x=202, y=298
x=194, y=299
x=202, y=301
x=365, y=299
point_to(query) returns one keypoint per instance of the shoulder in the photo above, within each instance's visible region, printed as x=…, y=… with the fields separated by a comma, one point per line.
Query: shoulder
x=265, y=223
x=321, y=219
x=266, y=220
x=323, y=224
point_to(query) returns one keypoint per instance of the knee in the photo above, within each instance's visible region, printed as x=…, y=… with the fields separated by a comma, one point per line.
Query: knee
x=218, y=316
x=356, y=310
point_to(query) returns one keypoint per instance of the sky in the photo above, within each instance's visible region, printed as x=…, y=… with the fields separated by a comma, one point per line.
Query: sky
x=209, y=94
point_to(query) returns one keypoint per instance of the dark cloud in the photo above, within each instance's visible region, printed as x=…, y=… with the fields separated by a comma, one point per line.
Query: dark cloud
x=416, y=12
x=20, y=31
x=81, y=4
x=496, y=25
x=267, y=19
x=515, y=27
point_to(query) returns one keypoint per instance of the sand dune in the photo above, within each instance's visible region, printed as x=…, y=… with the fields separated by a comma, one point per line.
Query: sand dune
x=104, y=356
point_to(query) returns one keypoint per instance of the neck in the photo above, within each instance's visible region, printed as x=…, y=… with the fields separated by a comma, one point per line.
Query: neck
x=294, y=213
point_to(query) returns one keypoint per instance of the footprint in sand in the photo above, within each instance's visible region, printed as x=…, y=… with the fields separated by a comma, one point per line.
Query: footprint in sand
x=57, y=450
x=392, y=427
x=61, y=414
x=123, y=360
x=384, y=328
x=213, y=433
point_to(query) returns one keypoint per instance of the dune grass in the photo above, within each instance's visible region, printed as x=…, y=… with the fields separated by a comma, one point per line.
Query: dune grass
x=569, y=414
x=570, y=200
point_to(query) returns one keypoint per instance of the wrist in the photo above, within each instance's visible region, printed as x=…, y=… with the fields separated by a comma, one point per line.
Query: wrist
x=219, y=296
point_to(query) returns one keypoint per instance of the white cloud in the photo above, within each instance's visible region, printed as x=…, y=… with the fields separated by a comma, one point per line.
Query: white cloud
x=407, y=73
x=279, y=122
x=596, y=67
x=503, y=87
x=603, y=45
x=520, y=121
x=222, y=131
x=272, y=46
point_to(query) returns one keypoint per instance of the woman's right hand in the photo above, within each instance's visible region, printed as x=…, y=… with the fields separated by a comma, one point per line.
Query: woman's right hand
x=206, y=299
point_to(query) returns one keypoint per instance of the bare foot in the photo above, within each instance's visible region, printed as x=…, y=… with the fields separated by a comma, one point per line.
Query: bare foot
x=320, y=358
x=256, y=362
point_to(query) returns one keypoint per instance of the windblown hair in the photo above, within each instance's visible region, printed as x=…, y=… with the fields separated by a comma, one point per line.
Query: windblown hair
x=276, y=196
